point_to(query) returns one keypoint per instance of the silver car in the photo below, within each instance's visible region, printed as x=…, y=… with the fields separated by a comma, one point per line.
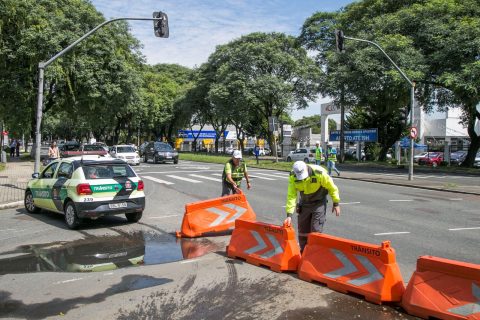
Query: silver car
x=302, y=154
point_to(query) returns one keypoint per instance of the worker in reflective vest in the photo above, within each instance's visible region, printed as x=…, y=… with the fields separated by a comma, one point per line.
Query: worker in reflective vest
x=313, y=183
x=233, y=174
x=331, y=159
x=318, y=153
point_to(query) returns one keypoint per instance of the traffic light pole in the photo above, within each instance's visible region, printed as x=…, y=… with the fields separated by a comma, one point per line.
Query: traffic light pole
x=41, y=72
x=412, y=97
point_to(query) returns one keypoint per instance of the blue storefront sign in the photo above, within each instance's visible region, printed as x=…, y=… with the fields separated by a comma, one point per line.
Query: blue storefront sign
x=204, y=134
x=355, y=135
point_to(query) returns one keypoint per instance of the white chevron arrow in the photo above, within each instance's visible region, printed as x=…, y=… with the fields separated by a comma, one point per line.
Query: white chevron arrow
x=260, y=243
x=349, y=267
x=471, y=308
x=222, y=215
x=277, y=248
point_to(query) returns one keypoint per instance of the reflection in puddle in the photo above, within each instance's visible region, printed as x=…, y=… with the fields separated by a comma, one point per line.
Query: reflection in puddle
x=105, y=253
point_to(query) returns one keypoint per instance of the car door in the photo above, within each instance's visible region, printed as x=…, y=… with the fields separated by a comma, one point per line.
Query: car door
x=42, y=188
x=59, y=188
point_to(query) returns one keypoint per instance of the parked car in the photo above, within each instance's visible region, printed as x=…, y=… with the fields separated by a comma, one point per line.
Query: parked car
x=126, y=153
x=86, y=187
x=160, y=152
x=456, y=158
x=72, y=150
x=302, y=154
x=477, y=160
x=418, y=156
x=352, y=154
x=431, y=159
x=141, y=149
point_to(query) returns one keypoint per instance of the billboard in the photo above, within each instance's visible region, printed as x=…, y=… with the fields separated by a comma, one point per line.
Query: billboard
x=355, y=135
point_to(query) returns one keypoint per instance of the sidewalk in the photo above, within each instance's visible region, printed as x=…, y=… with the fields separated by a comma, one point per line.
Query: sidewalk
x=13, y=181
x=401, y=179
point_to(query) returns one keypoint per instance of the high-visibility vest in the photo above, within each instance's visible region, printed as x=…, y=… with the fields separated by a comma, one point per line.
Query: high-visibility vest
x=318, y=153
x=332, y=154
x=236, y=172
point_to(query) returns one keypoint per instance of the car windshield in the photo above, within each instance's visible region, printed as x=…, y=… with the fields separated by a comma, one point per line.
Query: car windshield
x=163, y=147
x=70, y=147
x=107, y=171
x=91, y=147
x=125, y=149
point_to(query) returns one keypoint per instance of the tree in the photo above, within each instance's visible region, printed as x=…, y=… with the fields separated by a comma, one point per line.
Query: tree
x=262, y=74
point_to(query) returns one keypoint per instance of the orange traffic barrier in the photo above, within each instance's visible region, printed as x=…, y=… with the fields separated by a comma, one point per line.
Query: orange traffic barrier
x=265, y=244
x=444, y=289
x=352, y=266
x=214, y=215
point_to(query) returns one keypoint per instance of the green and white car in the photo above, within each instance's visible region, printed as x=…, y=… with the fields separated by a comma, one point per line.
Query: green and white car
x=87, y=187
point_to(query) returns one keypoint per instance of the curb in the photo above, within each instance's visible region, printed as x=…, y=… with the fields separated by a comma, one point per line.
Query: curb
x=410, y=186
x=11, y=205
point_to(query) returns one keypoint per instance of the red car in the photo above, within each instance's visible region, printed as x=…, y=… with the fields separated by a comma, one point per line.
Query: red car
x=431, y=159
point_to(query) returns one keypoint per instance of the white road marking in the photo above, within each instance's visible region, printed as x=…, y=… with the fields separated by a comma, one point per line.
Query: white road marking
x=455, y=199
x=404, y=200
x=272, y=175
x=182, y=178
x=8, y=230
x=388, y=233
x=263, y=178
x=70, y=280
x=344, y=203
x=156, y=180
x=190, y=261
x=163, y=217
x=203, y=177
x=108, y=274
x=458, y=229
x=217, y=174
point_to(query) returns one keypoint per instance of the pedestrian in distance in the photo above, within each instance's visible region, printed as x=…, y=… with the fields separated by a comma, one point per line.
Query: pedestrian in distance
x=256, y=151
x=233, y=173
x=331, y=159
x=313, y=183
x=53, y=152
x=318, y=153
x=17, y=148
x=13, y=145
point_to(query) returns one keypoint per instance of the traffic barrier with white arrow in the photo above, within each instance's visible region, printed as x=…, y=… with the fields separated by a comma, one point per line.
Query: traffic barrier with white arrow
x=265, y=244
x=351, y=266
x=214, y=215
x=444, y=289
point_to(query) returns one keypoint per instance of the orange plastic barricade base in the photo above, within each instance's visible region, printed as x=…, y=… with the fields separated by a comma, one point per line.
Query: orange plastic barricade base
x=444, y=289
x=352, y=266
x=265, y=245
x=214, y=215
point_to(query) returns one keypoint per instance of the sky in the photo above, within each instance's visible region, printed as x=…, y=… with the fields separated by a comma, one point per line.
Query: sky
x=198, y=26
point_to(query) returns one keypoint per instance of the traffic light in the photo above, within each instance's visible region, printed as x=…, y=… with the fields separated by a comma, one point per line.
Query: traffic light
x=339, y=38
x=160, y=27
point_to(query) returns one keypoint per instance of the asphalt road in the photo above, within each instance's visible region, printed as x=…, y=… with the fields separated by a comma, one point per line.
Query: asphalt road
x=208, y=284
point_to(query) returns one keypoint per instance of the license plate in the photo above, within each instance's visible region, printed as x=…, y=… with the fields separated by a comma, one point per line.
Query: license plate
x=168, y=157
x=117, y=205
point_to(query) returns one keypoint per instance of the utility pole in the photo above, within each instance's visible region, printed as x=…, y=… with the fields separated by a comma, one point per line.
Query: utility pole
x=341, y=48
x=160, y=27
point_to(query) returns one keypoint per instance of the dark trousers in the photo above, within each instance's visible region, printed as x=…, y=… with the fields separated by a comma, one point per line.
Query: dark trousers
x=227, y=188
x=12, y=152
x=311, y=218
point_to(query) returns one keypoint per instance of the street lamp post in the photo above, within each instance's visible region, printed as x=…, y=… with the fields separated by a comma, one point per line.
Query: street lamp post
x=161, y=30
x=340, y=46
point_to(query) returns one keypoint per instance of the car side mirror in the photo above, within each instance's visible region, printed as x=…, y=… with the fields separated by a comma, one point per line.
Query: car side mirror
x=35, y=175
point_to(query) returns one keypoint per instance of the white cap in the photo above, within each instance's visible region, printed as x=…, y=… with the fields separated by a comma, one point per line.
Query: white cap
x=300, y=170
x=237, y=154
x=329, y=144
x=317, y=142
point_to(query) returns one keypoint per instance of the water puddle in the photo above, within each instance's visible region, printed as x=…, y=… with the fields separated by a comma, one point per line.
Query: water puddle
x=104, y=253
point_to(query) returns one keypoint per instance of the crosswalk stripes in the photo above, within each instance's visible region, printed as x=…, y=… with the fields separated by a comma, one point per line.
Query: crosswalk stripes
x=259, y=177
x=204, y=177
x=272, y=175
x=183, y=178
x=157, y=180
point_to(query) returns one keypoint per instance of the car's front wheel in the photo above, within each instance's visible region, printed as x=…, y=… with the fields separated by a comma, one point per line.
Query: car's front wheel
x=289, y=159
x=175, y=161
x=133, y=216
x=29, y=203
x=71, y=217
x=305, y=160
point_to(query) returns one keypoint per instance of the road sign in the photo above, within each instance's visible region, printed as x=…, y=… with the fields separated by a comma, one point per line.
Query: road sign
x=413, y=132
x=273, y=123
x=363, y=135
